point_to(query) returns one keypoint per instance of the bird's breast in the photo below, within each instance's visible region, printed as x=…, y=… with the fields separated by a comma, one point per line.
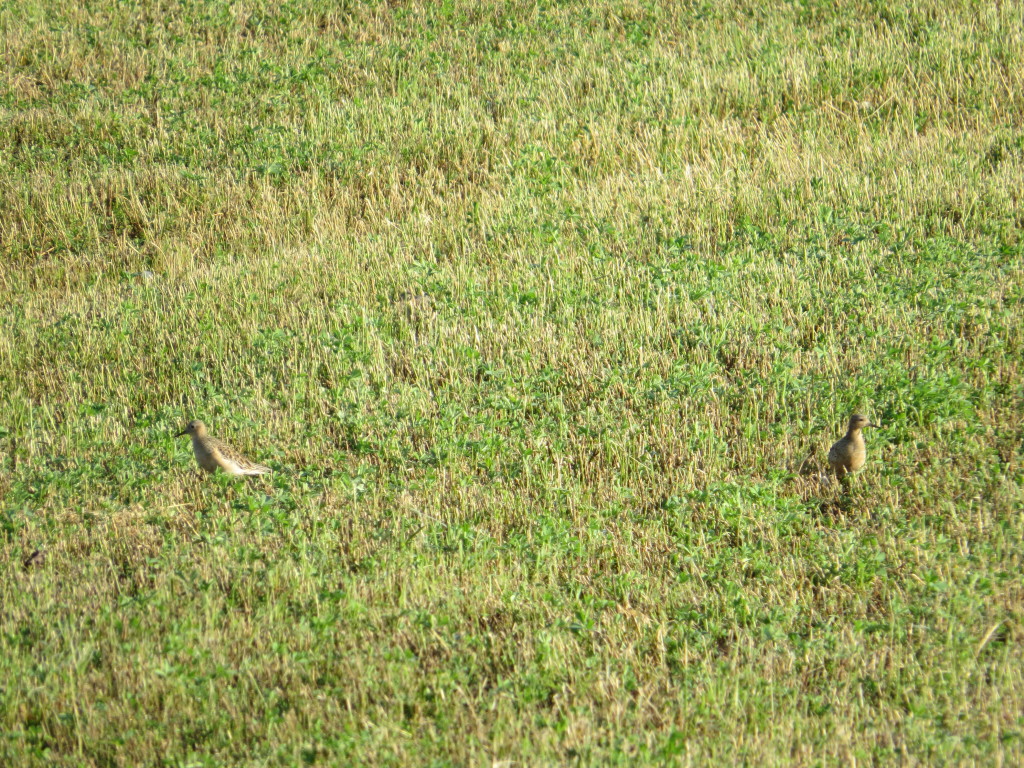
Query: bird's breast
x=204, y=457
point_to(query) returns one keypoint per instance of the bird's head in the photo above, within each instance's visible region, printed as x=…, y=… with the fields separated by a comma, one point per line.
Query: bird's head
x=859, y=422
x=194, y=428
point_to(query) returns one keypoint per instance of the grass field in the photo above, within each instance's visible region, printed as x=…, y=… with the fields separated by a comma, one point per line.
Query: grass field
x=545, y=316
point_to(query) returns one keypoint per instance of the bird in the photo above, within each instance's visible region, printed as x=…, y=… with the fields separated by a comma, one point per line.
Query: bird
x=37, y=558
x=848, y=453
x=212, y=453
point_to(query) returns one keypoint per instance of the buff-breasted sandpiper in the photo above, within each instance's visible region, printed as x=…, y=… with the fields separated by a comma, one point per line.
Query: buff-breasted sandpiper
x=849, y=453
x=212, y=453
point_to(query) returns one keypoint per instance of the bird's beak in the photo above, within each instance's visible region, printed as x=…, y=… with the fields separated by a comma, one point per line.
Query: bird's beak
x=181, y=433
x=873, y=425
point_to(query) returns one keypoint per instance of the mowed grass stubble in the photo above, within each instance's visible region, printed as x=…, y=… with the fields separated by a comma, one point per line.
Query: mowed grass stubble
x=545, y=317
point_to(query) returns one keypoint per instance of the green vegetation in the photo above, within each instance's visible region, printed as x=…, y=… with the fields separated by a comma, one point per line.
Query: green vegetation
x=544, y=316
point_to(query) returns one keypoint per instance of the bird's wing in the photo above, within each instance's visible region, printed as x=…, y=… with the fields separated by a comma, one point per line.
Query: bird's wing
x=245, y=466
x=833, y=453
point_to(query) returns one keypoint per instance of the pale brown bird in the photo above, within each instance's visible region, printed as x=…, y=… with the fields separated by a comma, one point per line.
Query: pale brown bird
x=212, y=453
x=849, y=452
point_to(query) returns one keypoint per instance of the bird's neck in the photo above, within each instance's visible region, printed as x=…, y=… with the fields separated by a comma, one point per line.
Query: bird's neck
x=854, y=434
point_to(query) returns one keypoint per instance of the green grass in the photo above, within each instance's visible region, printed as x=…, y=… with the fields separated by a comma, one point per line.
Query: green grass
x=544, y=316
